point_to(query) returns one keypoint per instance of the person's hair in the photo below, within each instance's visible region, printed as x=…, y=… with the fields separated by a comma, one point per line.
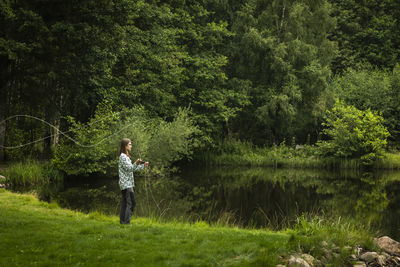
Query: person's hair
x=122, y=149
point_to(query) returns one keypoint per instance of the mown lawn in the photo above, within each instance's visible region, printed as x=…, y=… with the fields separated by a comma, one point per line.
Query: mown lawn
x=34, y=233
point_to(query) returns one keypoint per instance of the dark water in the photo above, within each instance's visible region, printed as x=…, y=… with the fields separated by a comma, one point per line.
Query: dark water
x=276, y=197
x=256, y=197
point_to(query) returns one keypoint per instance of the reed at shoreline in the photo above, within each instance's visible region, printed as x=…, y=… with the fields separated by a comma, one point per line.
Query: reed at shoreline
x=283, y=156
x=30, y=172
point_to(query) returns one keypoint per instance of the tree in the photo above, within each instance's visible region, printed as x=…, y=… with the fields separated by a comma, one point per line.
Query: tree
x=282, y=49
x=367, y=33
x=373, y=89
x=353, y=133
x=55, y=57
x=173, y=57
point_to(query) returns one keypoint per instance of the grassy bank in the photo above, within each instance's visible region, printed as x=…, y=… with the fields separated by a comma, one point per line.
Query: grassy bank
x=34, y=233
x=30, y=173
x=239, y=153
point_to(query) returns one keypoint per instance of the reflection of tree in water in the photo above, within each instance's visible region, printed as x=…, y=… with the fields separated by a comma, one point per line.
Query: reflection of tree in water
x=257, y=196
x=270, y=197
x=361, y=196
x=372, y=201
x=260, y=197
x=391, y=218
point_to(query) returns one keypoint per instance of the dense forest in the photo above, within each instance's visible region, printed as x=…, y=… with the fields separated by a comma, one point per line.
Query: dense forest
x=253, y=70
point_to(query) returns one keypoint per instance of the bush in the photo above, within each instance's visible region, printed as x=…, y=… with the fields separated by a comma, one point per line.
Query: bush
x=353, y=133
x=94, y=147
x=90, y=148
x=374, y=89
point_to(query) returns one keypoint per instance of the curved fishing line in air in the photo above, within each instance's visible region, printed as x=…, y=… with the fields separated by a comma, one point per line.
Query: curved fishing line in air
x=147, y=186
x=60, y=132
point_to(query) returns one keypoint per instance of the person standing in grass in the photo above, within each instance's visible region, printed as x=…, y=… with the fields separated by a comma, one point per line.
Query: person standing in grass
x=126, y=181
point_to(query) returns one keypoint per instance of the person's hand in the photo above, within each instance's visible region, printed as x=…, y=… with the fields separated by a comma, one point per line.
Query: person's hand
x=138, y=161
x=146, y=164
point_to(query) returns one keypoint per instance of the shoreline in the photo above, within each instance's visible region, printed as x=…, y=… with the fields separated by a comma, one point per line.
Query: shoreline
x=60, y=234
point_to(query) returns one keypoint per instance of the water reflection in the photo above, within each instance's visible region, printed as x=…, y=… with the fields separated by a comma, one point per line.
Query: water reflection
x=275, y=197
x=257, y=197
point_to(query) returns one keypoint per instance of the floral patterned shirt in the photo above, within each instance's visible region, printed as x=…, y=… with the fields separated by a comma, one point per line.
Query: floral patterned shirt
x=125, y=171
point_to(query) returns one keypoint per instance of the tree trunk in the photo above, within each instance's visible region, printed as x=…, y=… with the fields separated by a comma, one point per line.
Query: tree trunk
x=4, y=63
x=2, y=129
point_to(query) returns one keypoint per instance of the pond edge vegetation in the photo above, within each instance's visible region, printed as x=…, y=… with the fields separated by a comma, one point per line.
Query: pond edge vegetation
x=242, y=153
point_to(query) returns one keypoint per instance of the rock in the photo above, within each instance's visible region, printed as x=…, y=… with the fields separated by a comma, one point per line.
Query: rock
x=327, y=254
x=396, y=260
x=381, y=260
x=389, y=245
x=2, y=181
x=297, y=262
x=360, y=264
x=369, y=256
x=318, y=263
x=308, y=258
x=280, y=265
x=324, y=243
x=357, y=250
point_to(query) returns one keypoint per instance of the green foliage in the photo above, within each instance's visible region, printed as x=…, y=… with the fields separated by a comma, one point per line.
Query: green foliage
x=89, y=150
x=253, y=69
x=282, y=49
x=373, y=89
x=55, y=61
x=31, y=173
x=391, y=160
x=63, y=60
x=94, y=148
x=364, y=89
x=366, y=32
x=160, y=142
x=17, y=136
x=171, y=141
x=354, y=133
x=235, y=153
x=172, y=58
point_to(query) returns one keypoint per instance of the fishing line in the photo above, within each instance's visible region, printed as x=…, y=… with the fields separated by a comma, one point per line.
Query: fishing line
x=148, y=187
x=60, y=132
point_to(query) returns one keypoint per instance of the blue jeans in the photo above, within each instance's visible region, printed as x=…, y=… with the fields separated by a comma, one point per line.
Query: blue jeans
x=128, y=204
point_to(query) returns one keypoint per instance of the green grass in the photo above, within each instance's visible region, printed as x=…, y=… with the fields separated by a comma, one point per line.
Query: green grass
x=34, y=233
x=234, y=152
x=30, y=173
x=389, y=161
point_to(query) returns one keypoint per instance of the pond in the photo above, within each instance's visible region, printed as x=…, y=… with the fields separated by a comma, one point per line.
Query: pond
x=248, y=197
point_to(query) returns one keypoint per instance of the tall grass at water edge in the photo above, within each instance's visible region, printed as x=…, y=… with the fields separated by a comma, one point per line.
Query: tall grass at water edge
x=391, y=160
x=30, y=173
x=240, y=153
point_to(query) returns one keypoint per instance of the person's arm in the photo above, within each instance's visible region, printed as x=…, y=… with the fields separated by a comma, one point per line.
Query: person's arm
x=137, y=166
